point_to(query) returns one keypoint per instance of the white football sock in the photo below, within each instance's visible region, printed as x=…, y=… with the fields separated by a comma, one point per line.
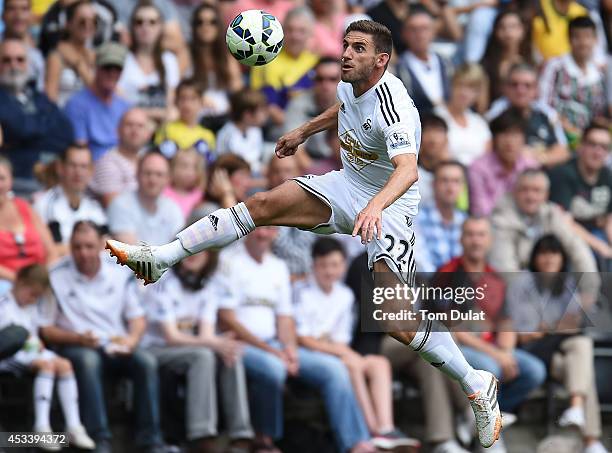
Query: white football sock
x=43, y=392
x=218, y=229
x=434, y=343
x=69, y=399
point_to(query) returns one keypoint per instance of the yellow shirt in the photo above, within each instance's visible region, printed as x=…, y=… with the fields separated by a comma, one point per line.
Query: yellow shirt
x=284, y=77
x=550, y=37
x=40, y=7
x=184, y=136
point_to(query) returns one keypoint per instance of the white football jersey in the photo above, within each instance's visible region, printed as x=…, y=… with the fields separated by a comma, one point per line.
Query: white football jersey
x=373, y=128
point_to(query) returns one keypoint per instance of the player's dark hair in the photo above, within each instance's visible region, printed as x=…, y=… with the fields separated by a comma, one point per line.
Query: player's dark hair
x=33, y=274
x=63, y=156
x=383, y=43
x=580, y=23
x=594, y=126
x=326, y=246
x=448, y=163
x=326, y=60
x=549, y=243
x=510, y=120
x=189, y=84
x=431, y=121
x=246, y=100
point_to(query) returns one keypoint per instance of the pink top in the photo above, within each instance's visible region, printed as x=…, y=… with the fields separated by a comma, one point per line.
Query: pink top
x=489, y=181
x=186, y=201
x=326, y=41
x=278, y=8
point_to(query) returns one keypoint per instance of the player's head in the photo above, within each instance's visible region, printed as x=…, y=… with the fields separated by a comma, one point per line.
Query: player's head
x=328, y=262
x=31, y=283
x=367, y=49
x=594, y=148
x=476, y=239
x=531, y=191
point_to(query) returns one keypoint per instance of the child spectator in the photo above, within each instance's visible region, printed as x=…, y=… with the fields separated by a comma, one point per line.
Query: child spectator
x=186, y=132
x=324, y=317
x=187, y=176
x=243, y=135
x=19, y=307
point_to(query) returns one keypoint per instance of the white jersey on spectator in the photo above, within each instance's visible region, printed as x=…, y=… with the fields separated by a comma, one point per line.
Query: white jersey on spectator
x=55, y=210
x=373, y=128
x=13, y=313
x=102, y=305
x=322, y=315
x=169, y=302
x=257, y=292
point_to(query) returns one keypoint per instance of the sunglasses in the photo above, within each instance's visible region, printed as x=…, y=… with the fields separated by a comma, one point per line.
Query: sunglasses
x=86, y=21
x=515, y=84
x=140, y=22
x=18, y=59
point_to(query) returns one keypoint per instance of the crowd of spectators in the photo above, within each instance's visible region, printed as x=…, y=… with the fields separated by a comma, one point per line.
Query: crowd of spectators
x=131, y=120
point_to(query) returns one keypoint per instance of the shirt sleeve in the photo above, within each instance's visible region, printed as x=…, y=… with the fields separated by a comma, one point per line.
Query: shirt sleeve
x=301, y=312
x=396, y=117
x=74, y=112
x=343, y=330
x=132, y=300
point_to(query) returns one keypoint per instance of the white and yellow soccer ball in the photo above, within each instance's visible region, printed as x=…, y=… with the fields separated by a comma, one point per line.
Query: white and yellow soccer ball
x=254, y=37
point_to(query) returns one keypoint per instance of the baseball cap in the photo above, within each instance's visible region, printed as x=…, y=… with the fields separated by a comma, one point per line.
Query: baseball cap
x=111, y=54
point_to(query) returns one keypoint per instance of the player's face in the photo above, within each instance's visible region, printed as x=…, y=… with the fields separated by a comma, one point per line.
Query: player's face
x=359, y=57
x=476, y=239
x=531, y=193
x=329, y=269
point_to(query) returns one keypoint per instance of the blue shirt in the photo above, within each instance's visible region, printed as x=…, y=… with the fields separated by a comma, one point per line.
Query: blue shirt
x=33, y=129
x=94, y=121
x=437, y=241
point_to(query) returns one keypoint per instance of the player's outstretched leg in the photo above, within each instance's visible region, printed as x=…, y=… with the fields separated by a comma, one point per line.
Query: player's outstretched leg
x=287, y=204
x=435, y=344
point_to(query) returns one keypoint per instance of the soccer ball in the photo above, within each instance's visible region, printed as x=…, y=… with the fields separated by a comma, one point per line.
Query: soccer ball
x=254, y=37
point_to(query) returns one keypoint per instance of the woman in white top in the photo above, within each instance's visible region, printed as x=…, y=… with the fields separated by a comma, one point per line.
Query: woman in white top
x=212, y=66
x=468, y=133
x=71, y=65
x=150, y=74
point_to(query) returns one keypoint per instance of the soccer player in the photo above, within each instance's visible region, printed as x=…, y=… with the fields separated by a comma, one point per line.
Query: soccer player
x=380, y=132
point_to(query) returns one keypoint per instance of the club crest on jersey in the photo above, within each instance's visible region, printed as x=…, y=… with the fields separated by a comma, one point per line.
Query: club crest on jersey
x=367, y=125
x=355, y=153
x=399, y=140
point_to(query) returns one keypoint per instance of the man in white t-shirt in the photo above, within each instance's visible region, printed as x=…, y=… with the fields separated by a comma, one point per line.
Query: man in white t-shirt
x=63, y=205
x=258, y=310
x=145, y=214
x=380, y=133
x=97, y=323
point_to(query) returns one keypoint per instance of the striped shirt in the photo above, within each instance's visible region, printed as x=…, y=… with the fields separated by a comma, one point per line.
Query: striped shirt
x=114, y=173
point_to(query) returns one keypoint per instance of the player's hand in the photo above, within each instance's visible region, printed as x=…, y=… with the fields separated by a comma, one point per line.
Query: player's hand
x=288, y=144
x=368, y=222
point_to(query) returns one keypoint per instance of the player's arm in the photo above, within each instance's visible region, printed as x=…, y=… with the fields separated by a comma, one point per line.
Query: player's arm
x=287, y=145
x=404, y=176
